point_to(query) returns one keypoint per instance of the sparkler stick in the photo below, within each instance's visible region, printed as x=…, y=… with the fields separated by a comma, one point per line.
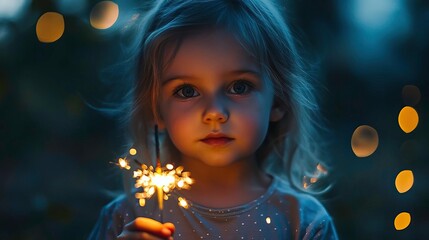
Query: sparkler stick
x=161, y=180
x=159, y=191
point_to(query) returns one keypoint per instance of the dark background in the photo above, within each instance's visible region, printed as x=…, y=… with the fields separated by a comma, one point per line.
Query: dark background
x=55, y=150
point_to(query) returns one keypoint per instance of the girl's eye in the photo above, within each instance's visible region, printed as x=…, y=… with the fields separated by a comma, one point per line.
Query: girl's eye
x=241, y=87
x=186, y=91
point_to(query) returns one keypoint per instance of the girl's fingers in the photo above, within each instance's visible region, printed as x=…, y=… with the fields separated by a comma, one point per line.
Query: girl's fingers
x=150, y=226
x=170, y=226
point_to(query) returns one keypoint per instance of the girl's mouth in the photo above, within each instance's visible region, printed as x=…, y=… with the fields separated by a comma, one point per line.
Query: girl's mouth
x=219, y=141
x=216, y=139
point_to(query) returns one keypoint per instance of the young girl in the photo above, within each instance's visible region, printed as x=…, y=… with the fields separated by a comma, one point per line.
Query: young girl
x=224, y=83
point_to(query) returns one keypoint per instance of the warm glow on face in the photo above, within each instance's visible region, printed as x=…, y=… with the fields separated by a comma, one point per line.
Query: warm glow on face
x=408, y=119
x=404, y=181
x=50, y=27
x=104, y=14
x=402, y=221
x=364, y=141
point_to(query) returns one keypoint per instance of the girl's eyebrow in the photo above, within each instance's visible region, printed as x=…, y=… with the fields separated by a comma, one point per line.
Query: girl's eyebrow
x=229, y=74
x=177, y=77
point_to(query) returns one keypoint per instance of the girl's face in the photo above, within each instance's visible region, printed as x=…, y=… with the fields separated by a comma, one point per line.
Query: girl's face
x=214, y=104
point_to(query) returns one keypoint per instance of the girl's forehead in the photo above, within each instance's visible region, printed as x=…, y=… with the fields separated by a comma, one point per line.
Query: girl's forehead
x=209, y=50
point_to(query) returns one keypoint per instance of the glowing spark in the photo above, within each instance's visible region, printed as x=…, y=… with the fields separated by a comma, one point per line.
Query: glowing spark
x=142, y=202
x=268, y=219
x=183, y=203
x=123, y=163
x=161, y=180
x=169, y=166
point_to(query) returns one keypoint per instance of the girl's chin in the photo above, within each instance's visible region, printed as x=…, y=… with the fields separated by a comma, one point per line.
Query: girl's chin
x=221, y=162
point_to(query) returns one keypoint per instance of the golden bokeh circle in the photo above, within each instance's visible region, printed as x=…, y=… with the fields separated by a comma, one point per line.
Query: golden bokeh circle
x=408, y=119
x=364, y=141
x=402, y=221
x=104, y=14
x=50, y=27
x=404, y=181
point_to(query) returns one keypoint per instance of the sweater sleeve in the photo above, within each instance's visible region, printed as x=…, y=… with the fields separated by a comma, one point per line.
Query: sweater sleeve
x=321, y=229
x=318, y=223
x=110, y=221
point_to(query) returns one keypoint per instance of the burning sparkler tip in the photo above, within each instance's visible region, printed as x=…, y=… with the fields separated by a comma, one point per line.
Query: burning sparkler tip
x=162, y=180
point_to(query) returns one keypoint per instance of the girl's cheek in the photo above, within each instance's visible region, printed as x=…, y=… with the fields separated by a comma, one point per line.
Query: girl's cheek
x=179, y=115
x=170, y=108
x=254, y=111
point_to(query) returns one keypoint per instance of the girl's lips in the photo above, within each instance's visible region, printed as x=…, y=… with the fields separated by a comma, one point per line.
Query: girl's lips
x=216, y=141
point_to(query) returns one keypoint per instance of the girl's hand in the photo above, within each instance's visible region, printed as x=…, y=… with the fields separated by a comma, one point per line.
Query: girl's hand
x=147, y=228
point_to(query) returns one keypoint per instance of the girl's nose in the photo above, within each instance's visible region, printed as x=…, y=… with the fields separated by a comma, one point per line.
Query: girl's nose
x=216, y=112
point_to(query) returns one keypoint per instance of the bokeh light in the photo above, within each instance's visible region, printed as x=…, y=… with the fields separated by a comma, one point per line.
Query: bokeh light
x=402, y=221
x=378, y=15
x=404, y=181
x=13, y=9
x=104, y=14
x=50, y=27
x=364, y=141
x=411, y=95
x=408, y=119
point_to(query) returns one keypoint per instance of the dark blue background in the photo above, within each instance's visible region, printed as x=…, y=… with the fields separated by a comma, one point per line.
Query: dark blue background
x=55, y=150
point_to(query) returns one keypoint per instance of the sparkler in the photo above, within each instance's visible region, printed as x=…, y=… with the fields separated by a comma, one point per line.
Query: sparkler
x=161, y=180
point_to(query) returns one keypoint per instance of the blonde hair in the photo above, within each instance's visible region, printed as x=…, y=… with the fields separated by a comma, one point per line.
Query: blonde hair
x=290, y=150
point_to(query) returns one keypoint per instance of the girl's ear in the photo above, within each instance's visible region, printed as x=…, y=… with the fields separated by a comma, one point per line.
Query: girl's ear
x=277, y=113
